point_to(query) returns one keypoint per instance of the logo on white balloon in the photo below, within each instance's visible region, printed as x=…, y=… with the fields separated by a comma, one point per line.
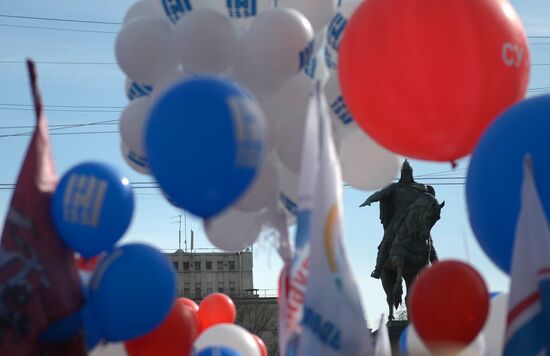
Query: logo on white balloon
x=512, y=54
x=242, y=8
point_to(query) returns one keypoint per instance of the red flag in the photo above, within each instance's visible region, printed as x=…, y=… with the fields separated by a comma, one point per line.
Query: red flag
x=39, y=281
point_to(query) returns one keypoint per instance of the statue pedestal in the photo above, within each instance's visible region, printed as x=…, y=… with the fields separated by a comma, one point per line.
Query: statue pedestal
x=395, y=328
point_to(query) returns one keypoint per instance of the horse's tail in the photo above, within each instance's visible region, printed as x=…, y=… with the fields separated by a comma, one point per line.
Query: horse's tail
x=397, y=295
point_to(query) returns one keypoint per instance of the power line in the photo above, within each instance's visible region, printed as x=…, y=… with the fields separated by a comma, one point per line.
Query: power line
x=61, y=63
x=64, y=127
x=57, y=28
x=61, y=110
x=55, y=126
x=59, y=19
x=66, y=106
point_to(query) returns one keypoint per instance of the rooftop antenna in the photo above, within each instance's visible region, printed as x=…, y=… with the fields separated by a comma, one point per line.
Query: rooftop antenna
x=179, y=231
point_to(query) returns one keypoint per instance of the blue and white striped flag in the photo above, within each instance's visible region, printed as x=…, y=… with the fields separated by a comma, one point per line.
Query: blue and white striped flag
x=528, y=325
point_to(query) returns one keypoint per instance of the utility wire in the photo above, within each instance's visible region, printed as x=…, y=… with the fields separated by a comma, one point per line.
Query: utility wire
x=59, y=19
x=57, y=28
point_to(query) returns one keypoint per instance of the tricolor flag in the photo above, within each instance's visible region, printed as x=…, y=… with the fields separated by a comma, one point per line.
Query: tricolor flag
x=39, y=281
x=528, y=324
x=333, y=321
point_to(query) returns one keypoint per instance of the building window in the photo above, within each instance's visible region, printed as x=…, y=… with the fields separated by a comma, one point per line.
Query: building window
x=198, y=291
x=208, y=265
x=186, y=290
x=220, y=265
x=197, y=265
x=231, y=265
x=175, y=266
x=186, y=266
x=209, y=288
x=220, y=287
x=232, y=288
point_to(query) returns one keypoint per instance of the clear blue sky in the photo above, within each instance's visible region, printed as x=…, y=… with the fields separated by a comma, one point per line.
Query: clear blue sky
x=102, y=85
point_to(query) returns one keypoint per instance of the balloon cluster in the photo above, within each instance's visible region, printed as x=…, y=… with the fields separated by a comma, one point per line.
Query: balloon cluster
x=202, y=329
x=219, y=94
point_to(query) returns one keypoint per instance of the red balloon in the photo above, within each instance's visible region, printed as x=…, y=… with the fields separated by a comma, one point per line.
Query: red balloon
x=261, y=344
x=425, y=78
x=190, y=303
x=215, y=309
x=174, y=337
x=449, y=304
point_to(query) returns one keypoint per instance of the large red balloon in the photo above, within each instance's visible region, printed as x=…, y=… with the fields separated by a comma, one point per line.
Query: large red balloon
x=425, y=78
x=215, y=309
x=449, y=304
x=174, y=337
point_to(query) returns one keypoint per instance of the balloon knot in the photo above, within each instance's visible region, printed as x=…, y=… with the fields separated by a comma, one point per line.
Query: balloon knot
x=453, y=164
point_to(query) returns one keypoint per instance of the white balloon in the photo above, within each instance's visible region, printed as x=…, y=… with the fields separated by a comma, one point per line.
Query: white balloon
x=233, y=230
x=290, y=141
x=145, y=8
x=318, y=12
x=495, y=326
x=217, y=5
x=136, y=162
x=229, y=335
x=242, y=13
x=133, y=121
x=205, y=42
x=335, y=32
x=365, y=164
x=278, y=44
x=264, y=191
x=142, y=48
x=167, y=79
x=289, y=103
x=415, y=345
x=288, y=189
x=109, y=349
x=338, y=110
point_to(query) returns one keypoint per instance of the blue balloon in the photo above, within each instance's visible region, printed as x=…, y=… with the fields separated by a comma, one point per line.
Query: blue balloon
x=496, y=171
x=205, y=141
x=93, y=335
x=131, y=292
x=219, y=351
x=403, y=342
x=92, y=207
x=63, y=329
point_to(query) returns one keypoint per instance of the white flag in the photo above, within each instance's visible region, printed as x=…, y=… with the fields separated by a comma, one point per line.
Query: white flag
x=295, y=274
x=333, y=321
x=528, y=324
x=382, y=344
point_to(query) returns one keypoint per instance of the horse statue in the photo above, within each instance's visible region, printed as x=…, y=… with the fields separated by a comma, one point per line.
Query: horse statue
x=411, y=249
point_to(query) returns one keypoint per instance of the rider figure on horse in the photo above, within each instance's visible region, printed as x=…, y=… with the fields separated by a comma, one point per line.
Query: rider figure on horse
x=394, y=200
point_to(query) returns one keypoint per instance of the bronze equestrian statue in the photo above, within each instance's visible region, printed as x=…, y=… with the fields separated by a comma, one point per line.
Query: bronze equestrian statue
x=408, y=211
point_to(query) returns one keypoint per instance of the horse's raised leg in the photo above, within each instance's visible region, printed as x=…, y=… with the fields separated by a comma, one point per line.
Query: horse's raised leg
x=398, y=286
x=388, y=280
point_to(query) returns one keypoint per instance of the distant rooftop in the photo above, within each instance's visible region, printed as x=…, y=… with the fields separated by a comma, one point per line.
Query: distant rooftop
x=204, y=251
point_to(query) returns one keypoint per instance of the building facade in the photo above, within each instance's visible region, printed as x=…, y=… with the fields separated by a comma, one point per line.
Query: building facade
x=203, y=273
